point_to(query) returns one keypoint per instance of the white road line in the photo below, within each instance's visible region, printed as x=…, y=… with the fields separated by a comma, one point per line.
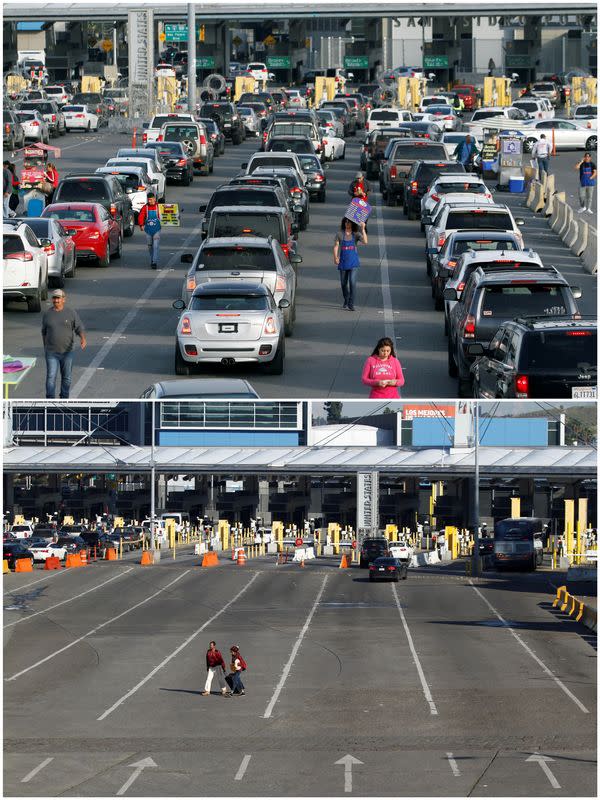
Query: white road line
x=101, y=355
x=69, y=146
x=528, y=649
x=40, y=580
x=388, y=311
x=453, y=765
x=94, y=630
x=426, y=690
x=69, y=600
x=243, y=767
x=294, y=653
x=37, y=769
x=175, y=652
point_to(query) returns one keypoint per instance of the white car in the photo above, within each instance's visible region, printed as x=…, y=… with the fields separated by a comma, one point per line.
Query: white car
x=453, y=138
x=535, y=107
x=480, y=116
x=586, y=114
x=334, y=147
x=402, y=550
x=445, y=116
x=380, y=118
x=329, y=122
x=156, y=175
x=432, y=100
x=250, y=119
x=80, y=118
x=135, y=182
x=258, y=70
x=151, y=130
x=566, y=134
x=34, y=126
x=22, y=530
x=25, y=266
x=443, y=185
x=43, y=551
x=295, y=98
x=59, y=94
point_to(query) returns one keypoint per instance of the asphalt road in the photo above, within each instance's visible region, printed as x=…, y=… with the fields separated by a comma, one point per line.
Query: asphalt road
x=127, y=311
x=437, y=685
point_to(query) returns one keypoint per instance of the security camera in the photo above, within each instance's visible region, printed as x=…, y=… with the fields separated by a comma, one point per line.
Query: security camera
x=431, y=76
x=515, y=76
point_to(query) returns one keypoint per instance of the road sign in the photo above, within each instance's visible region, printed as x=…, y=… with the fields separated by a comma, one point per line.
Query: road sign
x=269, y=40
x=176, y=33
x=236, y=41
x=435, y=62
x=279, y=62
x=205, y=62
x=107, y=45
x=356, y=62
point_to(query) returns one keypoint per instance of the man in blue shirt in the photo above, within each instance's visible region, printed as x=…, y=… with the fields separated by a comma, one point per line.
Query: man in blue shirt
x=587, y=182
x=465, y=151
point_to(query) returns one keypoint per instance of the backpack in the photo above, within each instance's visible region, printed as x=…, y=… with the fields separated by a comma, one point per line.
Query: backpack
x=243, y=664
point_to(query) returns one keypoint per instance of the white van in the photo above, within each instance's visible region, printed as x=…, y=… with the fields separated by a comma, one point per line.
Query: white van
x=181, y=518
x=482, y=115
x=535, y=108
x=380, y=118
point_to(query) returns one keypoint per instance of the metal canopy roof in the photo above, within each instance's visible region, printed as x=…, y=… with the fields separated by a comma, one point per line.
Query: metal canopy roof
x=235, y=10
x=576, y=462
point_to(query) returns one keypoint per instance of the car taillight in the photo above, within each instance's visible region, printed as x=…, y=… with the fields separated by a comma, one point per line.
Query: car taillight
x=393, y=172
x=82, y=116
x=414, y=187
x=182, y=162
x=113, y=210
x=390, y=569
x=371, y=567
x=270, y=326
x=435, y=197
x=53, y=117
x=578, y=333
x=22, y=255
x=35, y=124
x=202, y=139
x=49, y=248
x=98, y=110
x=318, y=177
x=144, y=135
x=460, y=286
x=191, y=284
x=296, y=190
x=366, y=126
x=448, y=117
x=286, y=249
x=469, y=329
x=441, y=240
x=280, y=284
x=522, y=385
x=159, y=138
x=451, y=264
x=186, y=327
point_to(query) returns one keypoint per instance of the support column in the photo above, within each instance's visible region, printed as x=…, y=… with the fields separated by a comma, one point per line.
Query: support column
x=515, y=506
x=161, y=498
x=262, y=509
x=569, y=527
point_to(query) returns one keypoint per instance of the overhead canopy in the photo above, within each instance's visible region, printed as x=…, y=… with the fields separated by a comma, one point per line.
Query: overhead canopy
x=575, y=462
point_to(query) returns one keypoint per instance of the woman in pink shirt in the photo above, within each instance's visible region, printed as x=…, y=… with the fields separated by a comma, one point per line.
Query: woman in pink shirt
x=382, y=371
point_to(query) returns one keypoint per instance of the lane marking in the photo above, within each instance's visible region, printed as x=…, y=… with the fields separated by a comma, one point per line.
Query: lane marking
x=93, y=630
x=68, y=147
x=102, y=354
x=453, y=765
x=69, y=600
x=175, y=652
x=40, y=580
x=294, y=653
x=386, y=292
x=37, y=769
x=426, y=690
x=243, y=767
x=528, y=649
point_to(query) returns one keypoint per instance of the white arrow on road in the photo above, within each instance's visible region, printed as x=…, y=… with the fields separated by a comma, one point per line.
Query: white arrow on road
x=139, y=766
x=348, y=761
x=541, y=760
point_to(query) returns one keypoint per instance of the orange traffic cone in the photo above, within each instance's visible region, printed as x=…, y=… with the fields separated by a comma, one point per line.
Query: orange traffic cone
x=344, y=562
x=241, y=559
x=302, y=563
x=147, y=558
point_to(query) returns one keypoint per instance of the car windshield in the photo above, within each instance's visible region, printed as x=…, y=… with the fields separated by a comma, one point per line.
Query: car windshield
x=266, y=161
x=414, y=151
x=128, y=180
x=228, y=302
x=160, y=120
x=439, y=110
x=237, y=257
x=383, y=115
x=454, y=138
x=72, y=214
x=482, y=220
x=484, y=115
x=384, y=561
x=543, y=87
x=427, y=172
x=245, y=224
x=292, y=129
x=462, y=245
x=310, y=163
x=290, y=145
x=39, y=225
x=82, y=189
x=560, y=350
x=517, y=299
x=177, y=133
x=586, y=111
x=74, y=109
x=526, y=105
x=460, y=188
x=237, y=196
x=169, y=148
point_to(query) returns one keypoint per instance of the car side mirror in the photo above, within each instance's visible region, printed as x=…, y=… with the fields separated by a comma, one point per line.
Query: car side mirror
x=283, y=303
x=202, y=208
x=187, y=258
x=431, y=251
x=475, y=349
x=443, y=272
x=244, y=164
x=45, y=242
x=520, y=222
x=179, y=305
x=296, y=259
x=426, y=220
x=145, y=125
x=450, y=294
x=576, y=290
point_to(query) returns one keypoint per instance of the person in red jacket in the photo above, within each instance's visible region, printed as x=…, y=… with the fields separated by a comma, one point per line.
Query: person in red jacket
x=149, y=222
x=382, y=371
x=215, y=666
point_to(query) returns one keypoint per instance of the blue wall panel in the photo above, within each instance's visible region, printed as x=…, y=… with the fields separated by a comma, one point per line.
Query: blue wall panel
x=228, y=438
x=503, y=432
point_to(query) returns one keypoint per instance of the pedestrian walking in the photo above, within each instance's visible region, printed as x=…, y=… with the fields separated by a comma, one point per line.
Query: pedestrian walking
x=541, y=152
x=587, y=182
x=51, y=175
x=491, y=67
x=215, y=667
x=238, y=665
x=13, y=201
x=382, y=371
x=359, y=187
x=60, y=325
x=345, y=257
x=466, y=151
x=149, y=222
x=6, y=188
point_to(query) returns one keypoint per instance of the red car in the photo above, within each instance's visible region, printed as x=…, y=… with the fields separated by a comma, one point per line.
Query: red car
x=95, y=233
x=469, y=95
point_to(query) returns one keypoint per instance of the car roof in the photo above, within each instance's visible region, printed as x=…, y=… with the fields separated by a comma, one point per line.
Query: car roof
x=225, y=186
x=247, y=209
x=250, y=289
x=546, y=276
x=75, y=205
x=469, y=233
x=544, y=323
x=231, y=241
x=202, y=387
x=490, y=255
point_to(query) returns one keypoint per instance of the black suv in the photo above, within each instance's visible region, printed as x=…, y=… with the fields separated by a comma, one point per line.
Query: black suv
x=491, y=298
x=227, y=118
x=104, y=189
x=372, y=549
x=420, y=177
x=226, y=195
x=538, y=357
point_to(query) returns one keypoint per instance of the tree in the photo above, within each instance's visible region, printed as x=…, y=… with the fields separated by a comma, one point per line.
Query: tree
x=334, y=411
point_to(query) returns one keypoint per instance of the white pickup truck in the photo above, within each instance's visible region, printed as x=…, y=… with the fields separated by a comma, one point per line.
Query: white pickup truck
x=151, y=129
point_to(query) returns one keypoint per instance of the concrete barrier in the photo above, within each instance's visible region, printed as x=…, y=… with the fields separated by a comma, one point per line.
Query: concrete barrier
x=571, y=234
x=531, y=193
x=558, y=202
x=567, y=221
x=550, y=192
x=538, y=197
x=590, y=253
x=580, y=611
x=581, y=241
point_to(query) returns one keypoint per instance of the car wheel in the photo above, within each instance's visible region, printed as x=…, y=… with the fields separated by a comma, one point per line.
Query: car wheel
x=58, y=281
x=34, y=303
x=591, y=143
x=185, y=181
x=212, y=167
x=438, y=304
x=119, y=251
x=322, y=196
x=405, y=576
x=391, y=199
x=71, y=273
x=412, y=215
x=304, y=219
x=104, y=261
x=288, y=321
x=452, y=368
x=129, y=231
x=62, y=132
x=181, y=366
x=343, y=156
x=89, y=127
x=371, y=579
x=275, y=367
x=464, y=387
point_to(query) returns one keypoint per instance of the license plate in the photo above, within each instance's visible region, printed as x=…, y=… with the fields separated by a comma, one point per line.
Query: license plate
x=228, y=124
x=381, y=569
x=584, y=393
x=228, y=327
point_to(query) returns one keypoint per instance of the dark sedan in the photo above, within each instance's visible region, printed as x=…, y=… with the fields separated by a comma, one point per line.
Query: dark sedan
x=316, y=180
x=215, y=134
x=178, y=164
x=388, y=569
x=72, y=544
x=13, y=551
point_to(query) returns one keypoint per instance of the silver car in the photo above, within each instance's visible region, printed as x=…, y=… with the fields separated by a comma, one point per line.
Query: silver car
x=250, y=119
x=58, y=246
x=231, y=323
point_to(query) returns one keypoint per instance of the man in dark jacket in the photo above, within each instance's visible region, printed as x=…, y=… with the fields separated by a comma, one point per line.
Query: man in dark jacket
x=359, y=187
x=215, y=666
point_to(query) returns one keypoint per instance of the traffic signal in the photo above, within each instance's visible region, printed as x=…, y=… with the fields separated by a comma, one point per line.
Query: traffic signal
x=202, y=33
